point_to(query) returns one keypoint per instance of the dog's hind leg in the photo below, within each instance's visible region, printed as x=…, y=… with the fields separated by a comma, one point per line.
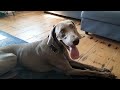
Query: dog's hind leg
x=7, y=62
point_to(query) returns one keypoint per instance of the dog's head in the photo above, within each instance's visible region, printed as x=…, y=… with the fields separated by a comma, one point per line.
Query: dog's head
x=66, y=33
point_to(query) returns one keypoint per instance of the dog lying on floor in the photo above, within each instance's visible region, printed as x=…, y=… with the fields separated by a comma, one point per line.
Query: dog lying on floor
x=50, y=54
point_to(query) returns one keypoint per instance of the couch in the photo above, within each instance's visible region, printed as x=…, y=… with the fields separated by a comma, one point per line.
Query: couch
x=102, y=23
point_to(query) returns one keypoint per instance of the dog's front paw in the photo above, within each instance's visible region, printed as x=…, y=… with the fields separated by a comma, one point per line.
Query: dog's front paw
x=109, y=75
x=112, y=76
x=105, y=70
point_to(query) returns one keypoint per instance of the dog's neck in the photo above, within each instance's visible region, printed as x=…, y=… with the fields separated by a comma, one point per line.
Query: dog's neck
x=56, y=46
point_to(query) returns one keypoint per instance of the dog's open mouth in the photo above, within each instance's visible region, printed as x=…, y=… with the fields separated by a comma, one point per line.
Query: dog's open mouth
x=74, y=53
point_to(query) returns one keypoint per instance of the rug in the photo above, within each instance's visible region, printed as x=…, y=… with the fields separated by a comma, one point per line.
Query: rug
x=7, y=39
x=22, y=73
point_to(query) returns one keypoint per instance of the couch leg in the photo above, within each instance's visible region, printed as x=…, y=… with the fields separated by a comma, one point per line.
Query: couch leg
x=86, y=33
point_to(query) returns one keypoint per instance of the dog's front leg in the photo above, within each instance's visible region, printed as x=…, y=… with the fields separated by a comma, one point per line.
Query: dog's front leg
x=90, y=73
x=65, y=66
x=85, y=66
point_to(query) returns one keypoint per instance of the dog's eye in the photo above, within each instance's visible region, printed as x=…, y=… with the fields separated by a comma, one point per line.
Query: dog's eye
x=63, y=32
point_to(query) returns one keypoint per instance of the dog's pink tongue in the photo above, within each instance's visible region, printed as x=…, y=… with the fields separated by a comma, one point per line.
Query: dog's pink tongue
x=74, y=53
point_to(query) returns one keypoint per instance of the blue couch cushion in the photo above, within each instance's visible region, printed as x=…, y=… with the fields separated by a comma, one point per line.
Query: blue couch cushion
x=112, y=17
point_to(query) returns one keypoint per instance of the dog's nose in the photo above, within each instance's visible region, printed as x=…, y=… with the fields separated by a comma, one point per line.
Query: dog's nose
x=76, y=41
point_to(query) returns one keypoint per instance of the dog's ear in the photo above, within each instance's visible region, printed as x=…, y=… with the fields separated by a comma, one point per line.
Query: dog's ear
x=51, y=36
x=79, y=35
x=72, y=22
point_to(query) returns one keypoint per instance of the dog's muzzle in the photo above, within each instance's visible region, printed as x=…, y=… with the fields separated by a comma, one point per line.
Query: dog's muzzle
x=76, y=41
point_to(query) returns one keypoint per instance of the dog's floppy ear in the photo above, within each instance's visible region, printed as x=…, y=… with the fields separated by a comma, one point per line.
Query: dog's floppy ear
x=51, y=36
x=80, y=36
x=72, y=22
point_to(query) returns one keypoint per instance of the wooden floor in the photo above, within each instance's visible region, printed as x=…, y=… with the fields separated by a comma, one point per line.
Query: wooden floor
x=35, y=25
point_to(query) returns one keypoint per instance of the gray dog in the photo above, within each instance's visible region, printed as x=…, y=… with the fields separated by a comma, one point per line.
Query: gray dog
x=50, y=54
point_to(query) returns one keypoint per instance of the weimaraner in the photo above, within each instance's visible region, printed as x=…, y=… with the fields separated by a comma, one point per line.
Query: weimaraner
x=50, y=53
